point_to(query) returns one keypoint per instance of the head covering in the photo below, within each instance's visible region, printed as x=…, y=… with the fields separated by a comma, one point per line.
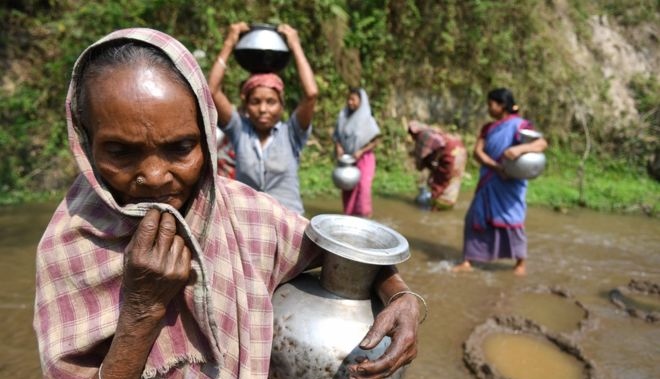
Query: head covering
x=268, y=80
x=356, y=129
x=243, y=245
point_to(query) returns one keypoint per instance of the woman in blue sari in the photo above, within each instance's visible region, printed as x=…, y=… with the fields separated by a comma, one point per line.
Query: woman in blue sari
x=494, y=223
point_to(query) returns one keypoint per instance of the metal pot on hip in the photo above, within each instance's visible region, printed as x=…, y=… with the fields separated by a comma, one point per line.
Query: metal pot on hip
x=346, y=175
x=262, y=49
x=528, y=165
x=319, y=323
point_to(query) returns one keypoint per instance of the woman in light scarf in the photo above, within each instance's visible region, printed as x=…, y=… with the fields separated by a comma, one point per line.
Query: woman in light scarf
x=356, y=134
x=152, y=265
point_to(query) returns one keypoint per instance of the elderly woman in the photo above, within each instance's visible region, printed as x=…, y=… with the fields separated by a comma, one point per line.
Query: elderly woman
x=267, y=149
x=154, y=266
x=444, y=155
x=356, y=134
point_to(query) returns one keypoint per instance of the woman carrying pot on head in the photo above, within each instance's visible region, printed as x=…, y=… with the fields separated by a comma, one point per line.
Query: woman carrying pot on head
x=357, y=134
x=267, y=149
x=495, y=221
x=153, y=265
x=444, y=155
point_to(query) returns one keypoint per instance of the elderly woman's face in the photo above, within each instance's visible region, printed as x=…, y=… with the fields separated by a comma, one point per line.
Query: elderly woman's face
x=264, y=108
x=144, y=124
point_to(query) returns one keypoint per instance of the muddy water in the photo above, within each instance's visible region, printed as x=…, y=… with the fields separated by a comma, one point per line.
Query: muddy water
x=583, y=252
x=555, y=312
x=643, y=302
x=519, y=356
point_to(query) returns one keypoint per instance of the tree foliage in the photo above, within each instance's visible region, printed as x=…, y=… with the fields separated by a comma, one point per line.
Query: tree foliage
x=452, y=51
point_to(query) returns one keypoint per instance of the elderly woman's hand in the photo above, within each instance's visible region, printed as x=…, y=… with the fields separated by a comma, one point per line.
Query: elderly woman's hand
x=156, y=265
x=399, y=320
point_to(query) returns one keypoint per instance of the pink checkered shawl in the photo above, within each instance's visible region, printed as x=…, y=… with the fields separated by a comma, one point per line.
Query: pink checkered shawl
x=244, y=245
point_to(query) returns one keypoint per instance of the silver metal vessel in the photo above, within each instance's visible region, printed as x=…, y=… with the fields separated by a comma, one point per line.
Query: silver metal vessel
x=262, y=49
x=528, y=165
x=319, y=323
x=346, y=175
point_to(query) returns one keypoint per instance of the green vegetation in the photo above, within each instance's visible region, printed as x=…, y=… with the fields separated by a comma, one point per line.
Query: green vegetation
x=609, y=185
x=448, y=53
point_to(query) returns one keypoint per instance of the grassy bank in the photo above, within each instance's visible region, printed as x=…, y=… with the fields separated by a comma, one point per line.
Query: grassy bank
x=609, y=186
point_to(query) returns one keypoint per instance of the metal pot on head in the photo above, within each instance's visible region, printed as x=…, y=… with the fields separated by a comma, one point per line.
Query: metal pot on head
x=528, y=165
x=262, y=49
x=319, y=324
x=346, y=175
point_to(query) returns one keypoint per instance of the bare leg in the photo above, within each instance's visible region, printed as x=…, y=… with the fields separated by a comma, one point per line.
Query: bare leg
x=520, y=268
x=464, y=266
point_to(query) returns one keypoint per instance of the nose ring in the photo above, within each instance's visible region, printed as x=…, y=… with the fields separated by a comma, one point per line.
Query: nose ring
x=140, y=180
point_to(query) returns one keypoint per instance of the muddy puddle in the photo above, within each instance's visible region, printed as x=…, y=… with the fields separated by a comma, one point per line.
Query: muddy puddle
x=586, y=253
x=554, y=309
x=520, y=356
x=646, y=303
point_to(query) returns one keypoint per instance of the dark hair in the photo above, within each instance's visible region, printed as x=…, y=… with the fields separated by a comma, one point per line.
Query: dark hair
x=354, y=90
x=122, y=52
x=504, y=97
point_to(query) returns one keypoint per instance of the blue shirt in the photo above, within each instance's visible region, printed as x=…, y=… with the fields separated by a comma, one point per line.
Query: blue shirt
x=272, y=168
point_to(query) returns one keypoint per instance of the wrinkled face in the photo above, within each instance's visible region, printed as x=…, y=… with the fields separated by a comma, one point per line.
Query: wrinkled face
x=353, y=101
x=495, y=109
x=144, y=123
x=264, y=108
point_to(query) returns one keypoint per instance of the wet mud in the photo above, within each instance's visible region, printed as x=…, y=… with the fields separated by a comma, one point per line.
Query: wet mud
x=628, y=299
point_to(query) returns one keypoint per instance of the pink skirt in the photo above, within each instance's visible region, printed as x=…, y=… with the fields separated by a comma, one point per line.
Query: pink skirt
x=357, y=202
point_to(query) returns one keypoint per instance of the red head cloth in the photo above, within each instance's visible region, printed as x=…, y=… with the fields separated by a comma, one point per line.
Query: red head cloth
x=263, y=80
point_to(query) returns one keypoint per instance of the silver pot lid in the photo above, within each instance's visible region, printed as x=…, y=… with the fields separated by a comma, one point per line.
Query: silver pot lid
x=262, y=37
x=528, y=135
x=346, y=159
x=358, y=239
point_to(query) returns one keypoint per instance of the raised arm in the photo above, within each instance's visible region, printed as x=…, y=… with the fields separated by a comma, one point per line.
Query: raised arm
x=305, y=109
x=222, y=103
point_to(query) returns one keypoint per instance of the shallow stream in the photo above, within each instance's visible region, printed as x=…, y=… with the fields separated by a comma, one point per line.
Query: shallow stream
x=583, y=252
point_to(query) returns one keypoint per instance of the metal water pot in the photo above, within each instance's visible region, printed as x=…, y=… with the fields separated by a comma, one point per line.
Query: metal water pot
x=423, y=197
x=346, y=175
x=528, y=165
x=319, y=324
x=262, y=49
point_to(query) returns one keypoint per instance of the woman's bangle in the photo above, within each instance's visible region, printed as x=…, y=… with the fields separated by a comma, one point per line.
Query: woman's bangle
x=418, y=296
x=222, y=62
x=99, y=373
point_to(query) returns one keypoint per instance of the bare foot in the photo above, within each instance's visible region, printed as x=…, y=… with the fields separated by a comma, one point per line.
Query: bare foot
x=464, y=266
x=520, y=269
